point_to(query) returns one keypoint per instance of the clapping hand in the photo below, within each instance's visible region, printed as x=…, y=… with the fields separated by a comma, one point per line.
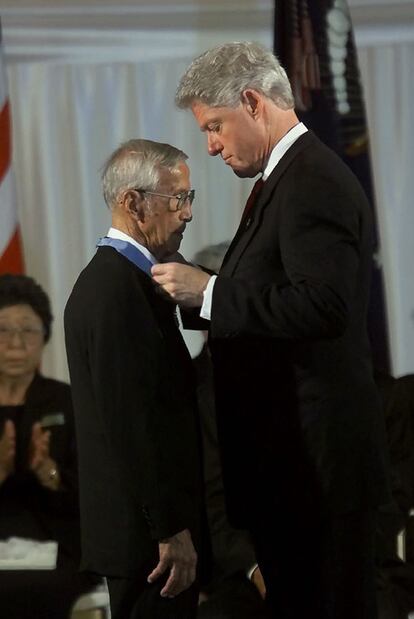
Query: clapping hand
x=40, y=461
x=7, y=450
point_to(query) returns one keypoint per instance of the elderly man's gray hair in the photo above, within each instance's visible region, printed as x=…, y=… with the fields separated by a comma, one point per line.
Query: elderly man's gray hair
x=220, y=75
x=137, y=163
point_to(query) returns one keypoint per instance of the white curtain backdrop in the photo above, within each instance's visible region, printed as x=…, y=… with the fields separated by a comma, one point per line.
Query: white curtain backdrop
x=387, y=68
x=77, y=94
x=67, y=118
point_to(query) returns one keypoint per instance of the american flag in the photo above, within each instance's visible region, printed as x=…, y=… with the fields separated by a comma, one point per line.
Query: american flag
x=11, y=255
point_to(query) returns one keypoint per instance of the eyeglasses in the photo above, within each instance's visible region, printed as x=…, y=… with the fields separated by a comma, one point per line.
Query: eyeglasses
x=182, y=198
x=29, y=335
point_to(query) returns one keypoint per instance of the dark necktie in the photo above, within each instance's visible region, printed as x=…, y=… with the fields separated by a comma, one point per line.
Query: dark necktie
x=252, y=197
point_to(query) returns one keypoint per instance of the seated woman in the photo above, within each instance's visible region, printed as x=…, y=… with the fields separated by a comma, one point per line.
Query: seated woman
x=38, y=470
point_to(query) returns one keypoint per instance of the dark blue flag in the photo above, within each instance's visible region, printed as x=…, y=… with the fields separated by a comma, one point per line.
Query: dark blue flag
x=314, y=41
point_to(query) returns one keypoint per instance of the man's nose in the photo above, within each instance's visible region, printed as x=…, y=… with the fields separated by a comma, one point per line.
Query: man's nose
x=213, y=145
x=186, y=213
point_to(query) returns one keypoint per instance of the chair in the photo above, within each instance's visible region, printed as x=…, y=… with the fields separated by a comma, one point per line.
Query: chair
x=93, y=605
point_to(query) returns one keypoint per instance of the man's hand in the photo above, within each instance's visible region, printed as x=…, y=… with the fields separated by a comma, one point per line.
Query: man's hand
x=39, y=447
x=7, y=450
x=184, y=284
x=257, y=579
x=178, y=555
x=40, y=461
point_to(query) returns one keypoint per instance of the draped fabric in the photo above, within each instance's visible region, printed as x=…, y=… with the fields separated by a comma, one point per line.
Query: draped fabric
x=314, y=40
x=68, y=120
x=11, y=259
x=389, y=91
x=72, y=107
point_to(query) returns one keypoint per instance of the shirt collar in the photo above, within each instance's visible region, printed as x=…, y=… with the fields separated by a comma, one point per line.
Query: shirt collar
x=282, y=147
x=114, y=233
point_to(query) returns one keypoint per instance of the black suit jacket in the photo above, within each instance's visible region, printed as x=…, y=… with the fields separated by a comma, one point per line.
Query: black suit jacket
x=135, y=414
x=298, y=411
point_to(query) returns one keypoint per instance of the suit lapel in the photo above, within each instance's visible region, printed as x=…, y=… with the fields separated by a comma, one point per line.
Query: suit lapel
x=249, y=226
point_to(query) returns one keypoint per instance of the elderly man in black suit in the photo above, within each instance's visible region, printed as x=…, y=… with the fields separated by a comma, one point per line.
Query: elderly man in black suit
x=134, y=394
x=293, y=378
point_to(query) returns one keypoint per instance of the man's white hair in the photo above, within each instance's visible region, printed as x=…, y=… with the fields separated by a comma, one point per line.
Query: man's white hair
x=220, y=75
x=137, y=164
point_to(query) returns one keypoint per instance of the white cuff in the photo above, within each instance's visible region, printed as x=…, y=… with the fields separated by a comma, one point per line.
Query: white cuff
x=205, y=311
x=251, y=571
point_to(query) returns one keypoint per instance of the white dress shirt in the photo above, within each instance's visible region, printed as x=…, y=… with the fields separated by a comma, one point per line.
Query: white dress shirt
x=114, y=233
x=275, y=156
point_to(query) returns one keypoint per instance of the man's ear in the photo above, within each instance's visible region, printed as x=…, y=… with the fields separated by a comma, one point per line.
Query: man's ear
x=252, y=101
x=133, y=203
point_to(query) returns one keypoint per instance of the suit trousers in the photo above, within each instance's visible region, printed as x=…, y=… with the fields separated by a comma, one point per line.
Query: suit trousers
x=235, y=597
x=318, y=568
x=135, y=598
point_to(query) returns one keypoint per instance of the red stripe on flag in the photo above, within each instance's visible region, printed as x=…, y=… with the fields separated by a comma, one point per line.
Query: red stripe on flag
x=5, y=139
x=12, y=259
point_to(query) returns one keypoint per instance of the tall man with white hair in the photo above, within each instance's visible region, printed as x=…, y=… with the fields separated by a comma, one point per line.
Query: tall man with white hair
x=134, y=395
x=298, y=411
